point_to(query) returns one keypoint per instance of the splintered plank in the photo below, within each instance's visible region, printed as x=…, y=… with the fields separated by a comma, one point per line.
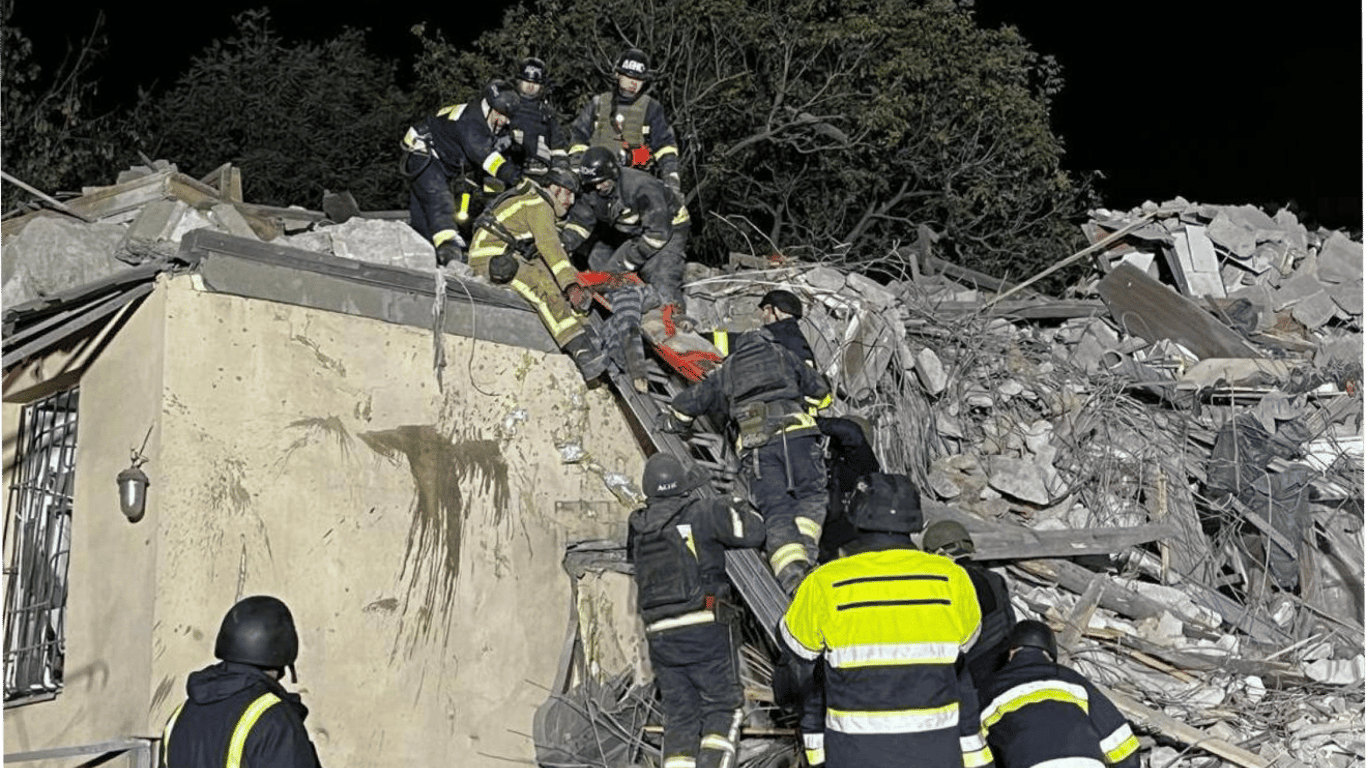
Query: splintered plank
x=104, y=202
x=1146, y=308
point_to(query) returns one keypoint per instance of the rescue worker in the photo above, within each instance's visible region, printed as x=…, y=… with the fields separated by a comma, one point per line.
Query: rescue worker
x=237, y=707
x=539, y=142
x=950, y=539
x=516, y=243
x=630, y=123
x=678, y=544
x=888, y=626
x=630, y=222
x=766, y=390
x=463, y=145
x=1036, y=711
x=849, y=457
x=781, y=311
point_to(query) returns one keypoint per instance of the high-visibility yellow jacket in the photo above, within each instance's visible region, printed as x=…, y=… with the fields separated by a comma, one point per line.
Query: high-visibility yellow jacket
x=890, y=625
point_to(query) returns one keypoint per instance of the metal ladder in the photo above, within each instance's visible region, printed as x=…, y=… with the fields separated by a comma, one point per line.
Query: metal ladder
x=706, y=447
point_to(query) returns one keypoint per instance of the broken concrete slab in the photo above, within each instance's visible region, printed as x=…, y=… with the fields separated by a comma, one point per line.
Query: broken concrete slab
x=1293, y=232
x=1298, y=288
x=1232, y=236
x=51, y=254
x=825, y=279
x=151, y=235
x=1339, y=261
x=1031, y=481
x=1314, y=310
x=392, y=243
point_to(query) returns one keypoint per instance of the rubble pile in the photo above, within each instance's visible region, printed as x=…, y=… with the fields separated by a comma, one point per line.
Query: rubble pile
x=1167, y=465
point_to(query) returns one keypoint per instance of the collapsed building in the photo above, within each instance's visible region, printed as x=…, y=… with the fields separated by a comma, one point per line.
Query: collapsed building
x=1166, y=465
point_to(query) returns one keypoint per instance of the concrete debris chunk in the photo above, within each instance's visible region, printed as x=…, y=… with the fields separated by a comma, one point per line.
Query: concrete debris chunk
x=930, y=371
x=1339, y=261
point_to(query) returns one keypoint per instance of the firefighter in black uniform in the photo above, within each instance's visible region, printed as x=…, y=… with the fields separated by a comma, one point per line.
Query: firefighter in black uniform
x=950, y=539
x=766, y=391
x=464, y=145
x=882, y=632
x=630, y=222
x=539, y=142
x=237, y=707
x=849, y=456
x=678, y=544
x=630, y=123
x=782, y=311
x=1036, y=711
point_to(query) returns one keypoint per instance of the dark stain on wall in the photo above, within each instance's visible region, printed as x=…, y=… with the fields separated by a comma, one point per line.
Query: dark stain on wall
x=315, y=427
x=439, y=467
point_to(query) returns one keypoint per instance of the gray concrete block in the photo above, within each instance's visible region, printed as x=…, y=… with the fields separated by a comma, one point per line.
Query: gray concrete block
x=1347, y=296
x=1296, y=289
x=1339, y=260
x=52, y=254
x=1232, y=236
x=1314, y=310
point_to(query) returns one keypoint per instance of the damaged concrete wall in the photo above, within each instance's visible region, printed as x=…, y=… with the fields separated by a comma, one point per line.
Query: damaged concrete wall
x=415, y=533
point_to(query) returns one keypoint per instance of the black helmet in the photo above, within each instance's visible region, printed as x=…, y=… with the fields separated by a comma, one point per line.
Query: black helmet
x=532, y=70
x=634, y=63
x=599, y=164
x=1034, y=634
x=887, y=503
x=948, y=537
x=664, y=476
x=259, y=631
x=503, y=101
x=785, y=301
x=561, y=177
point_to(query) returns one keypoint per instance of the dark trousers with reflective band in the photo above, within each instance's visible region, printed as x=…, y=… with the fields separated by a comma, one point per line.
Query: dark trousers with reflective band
x=699, y=681
x=431, y=206
x=929, y=749
x=788, y=487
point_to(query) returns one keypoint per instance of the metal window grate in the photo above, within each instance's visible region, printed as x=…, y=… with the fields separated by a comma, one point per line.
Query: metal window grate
x=37, y=548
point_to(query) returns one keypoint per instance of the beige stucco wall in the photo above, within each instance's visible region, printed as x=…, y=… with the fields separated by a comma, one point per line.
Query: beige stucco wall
x=110, y=618
x=414, y=530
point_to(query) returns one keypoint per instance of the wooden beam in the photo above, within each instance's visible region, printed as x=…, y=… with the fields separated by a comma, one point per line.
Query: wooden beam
x=1152, y=720
x=1087, y=251
x=54, y=202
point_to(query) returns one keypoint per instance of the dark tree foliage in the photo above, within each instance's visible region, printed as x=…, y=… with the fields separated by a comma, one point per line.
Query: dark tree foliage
x=298, y=119
x=53, y=140
x=826, y=130
x=830, y=131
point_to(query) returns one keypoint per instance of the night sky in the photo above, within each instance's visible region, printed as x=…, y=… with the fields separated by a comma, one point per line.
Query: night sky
x=1209, y=100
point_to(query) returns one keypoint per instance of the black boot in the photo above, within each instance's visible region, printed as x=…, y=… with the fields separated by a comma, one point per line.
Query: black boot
x=587, y=355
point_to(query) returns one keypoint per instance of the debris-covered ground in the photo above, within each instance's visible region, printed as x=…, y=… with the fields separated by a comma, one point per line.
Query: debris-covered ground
x=1166, y=463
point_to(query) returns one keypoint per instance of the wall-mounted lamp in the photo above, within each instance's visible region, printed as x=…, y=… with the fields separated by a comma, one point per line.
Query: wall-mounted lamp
x=133, y=484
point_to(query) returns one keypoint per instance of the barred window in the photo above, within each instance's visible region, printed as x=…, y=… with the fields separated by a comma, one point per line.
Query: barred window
x=38, y=547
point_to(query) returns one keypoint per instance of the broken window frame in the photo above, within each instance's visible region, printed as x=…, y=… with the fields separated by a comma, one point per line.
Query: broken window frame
x=37, y=546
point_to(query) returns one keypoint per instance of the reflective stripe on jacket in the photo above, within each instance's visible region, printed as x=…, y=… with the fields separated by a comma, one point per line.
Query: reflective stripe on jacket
x=890, y=625
x=1037, y=712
